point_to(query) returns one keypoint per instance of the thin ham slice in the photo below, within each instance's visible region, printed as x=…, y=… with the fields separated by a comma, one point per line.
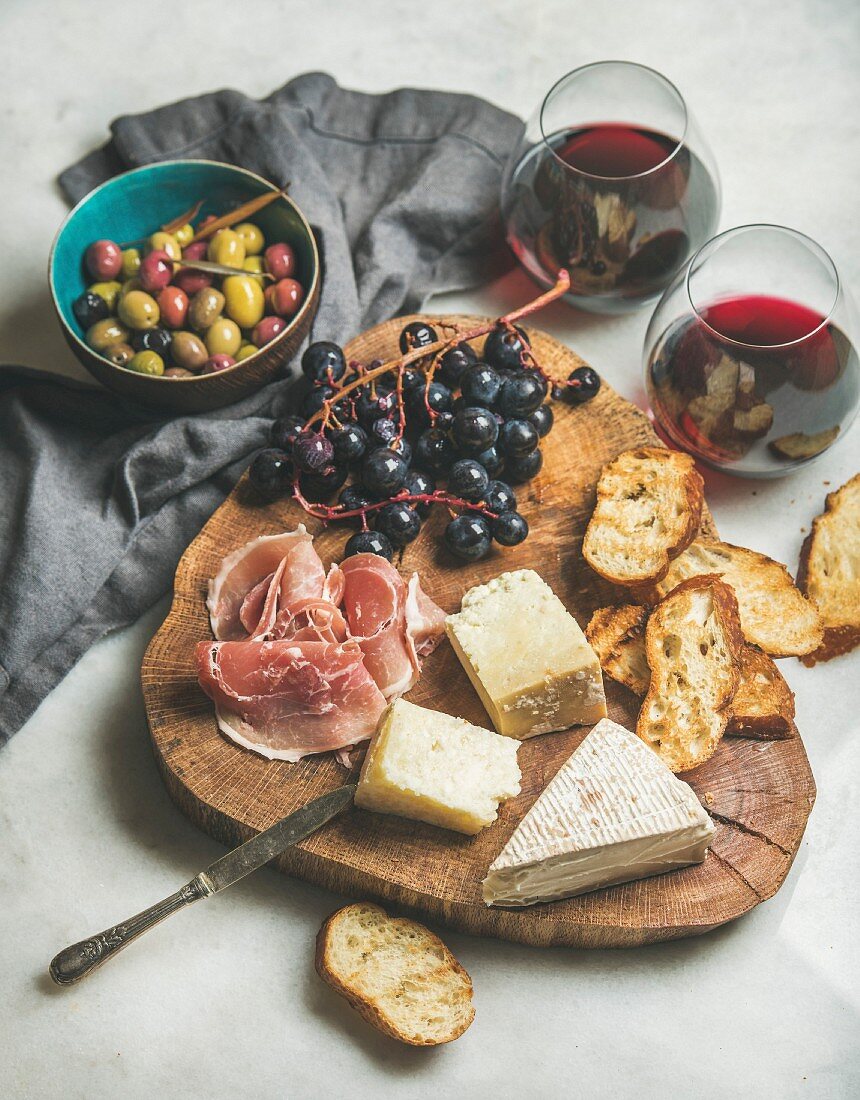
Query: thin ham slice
x=287, y=699
x=376, y=603
x=243, y=590
x=311, y=620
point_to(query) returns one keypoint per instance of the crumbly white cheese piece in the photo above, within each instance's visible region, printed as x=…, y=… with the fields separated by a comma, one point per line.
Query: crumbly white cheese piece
x=614, y=812
x=527, y=657
x=435, y=768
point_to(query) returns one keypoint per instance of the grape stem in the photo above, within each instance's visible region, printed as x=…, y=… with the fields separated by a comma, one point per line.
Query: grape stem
x=337, y=511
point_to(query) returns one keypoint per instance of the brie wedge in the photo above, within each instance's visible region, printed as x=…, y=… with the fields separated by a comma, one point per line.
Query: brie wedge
x=614, y=812
x=527, y=657
x=435, y=768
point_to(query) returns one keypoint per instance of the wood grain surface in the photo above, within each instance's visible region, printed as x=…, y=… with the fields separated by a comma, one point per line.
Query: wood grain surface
x=759, y=794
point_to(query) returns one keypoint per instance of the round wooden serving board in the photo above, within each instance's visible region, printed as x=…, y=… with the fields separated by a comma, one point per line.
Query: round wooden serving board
x=758, y=793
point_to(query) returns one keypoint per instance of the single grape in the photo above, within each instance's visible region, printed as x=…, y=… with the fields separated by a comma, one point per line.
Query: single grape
x=312, y=452
x=417, y=334
x=517, y=438
x=382, y=432
x=542, y=418
x=419, y=482
x=474, y=429
x=412, y=379
x=383, y=472
x=520, y=394
x=271, y=473
x=398, y=522
x=317, y=487
x=492, y=460
x=369, y=542
x=284, y=431
x=468, y=480
x=520, y=468
x=349, y=443
x=314, y=400
x=323, y=362
x=454, y=362
x=500, y=497
x=502, y=349
x=468, y=537
x=480, y=385
x=509, y=529
x=582, y=384
x=434, y=451
x=436, y=396
x=352, y=498
x=370, y=406
x=403, y=448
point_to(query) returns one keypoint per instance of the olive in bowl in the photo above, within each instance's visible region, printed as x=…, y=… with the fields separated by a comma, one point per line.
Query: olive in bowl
x=131, y=304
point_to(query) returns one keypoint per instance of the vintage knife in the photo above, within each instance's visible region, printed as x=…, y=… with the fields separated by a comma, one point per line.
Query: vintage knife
x=75, y=962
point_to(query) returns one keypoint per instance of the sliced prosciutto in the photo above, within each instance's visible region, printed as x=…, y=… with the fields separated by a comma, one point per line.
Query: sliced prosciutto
x=286, y=699
x=375, y=602
x=259, y=579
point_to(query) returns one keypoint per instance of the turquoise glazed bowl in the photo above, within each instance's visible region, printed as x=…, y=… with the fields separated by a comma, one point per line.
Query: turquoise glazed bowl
x=138, y=203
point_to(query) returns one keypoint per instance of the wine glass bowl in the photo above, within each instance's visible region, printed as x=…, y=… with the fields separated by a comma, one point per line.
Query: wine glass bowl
x=613, y=181
x=750, y=357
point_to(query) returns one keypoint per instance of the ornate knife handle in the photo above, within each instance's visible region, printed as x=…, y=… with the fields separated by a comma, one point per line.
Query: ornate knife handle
x=75, y=962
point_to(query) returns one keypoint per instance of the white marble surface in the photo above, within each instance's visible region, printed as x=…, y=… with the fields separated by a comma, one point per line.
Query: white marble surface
x=223, y=1000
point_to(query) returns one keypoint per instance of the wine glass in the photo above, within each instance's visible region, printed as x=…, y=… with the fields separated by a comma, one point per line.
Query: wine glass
x=750, y=358
x=612, y=180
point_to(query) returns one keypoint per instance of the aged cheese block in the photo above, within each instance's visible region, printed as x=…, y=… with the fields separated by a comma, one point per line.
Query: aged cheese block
x=614, y=812
x=435, y=768
x=527, y=657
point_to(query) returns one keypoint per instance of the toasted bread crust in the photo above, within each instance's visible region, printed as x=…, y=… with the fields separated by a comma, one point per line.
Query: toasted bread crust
x=840, y=610
x=366, y=1008
x=617, y=636
x=611, y=516
x=790, y=627
x=682, y=757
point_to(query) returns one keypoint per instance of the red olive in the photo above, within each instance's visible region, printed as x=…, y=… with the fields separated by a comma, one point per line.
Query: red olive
x=280, y=260
x=173, y=303
x=156, y=271
x=217, y=362
x=267, y=330
x=195, y=251
x=285, y=297
x=104, y=260
x=191, y=281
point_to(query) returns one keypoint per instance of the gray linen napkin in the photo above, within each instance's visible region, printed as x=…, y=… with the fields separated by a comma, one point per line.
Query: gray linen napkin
x=98, y=499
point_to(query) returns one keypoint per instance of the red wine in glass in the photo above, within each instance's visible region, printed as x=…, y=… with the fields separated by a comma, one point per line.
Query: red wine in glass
x=753, y=381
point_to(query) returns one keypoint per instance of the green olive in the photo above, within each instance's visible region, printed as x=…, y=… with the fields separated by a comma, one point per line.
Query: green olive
x=130, y=262
x=223, y=337
x=253, y=238
x=188, y=351
x=129, y=285
x=147, y=362
x=109, y=291
x=119, y=354
x=227, y=247
x=205, y=308
x=166, y=242
x=104, y=334
x=254, y=265
x=184, y=234
x=245, y=352
x=138, y=310
x=245, y=303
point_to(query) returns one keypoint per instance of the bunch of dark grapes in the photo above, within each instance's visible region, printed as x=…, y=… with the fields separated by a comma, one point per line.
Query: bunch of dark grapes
x=465, y=439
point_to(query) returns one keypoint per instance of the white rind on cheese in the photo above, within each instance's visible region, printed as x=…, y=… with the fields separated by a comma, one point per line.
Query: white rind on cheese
x=527, y=657
x=432, y=767
x=614, y=812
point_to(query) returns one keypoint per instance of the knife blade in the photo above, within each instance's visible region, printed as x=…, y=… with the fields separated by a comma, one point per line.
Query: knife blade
x=75, y=962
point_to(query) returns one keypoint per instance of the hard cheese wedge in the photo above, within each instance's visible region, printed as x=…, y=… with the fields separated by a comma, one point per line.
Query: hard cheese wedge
x=435, y=768
x=527, y=657
x=614, y=812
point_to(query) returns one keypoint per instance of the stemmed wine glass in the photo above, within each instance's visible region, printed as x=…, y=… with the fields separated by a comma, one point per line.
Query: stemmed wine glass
x=612, y=180
x=750, y=358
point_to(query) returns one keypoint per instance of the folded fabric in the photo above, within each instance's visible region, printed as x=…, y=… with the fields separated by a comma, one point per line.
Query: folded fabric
x=98, y=499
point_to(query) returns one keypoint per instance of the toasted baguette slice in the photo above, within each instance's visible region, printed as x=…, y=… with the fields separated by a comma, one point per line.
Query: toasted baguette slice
x=775, y=615
x=693, y=643
x=830, y=570
x=396, y=974
x=649, y=504
x=617, y=636
x=763, y=706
